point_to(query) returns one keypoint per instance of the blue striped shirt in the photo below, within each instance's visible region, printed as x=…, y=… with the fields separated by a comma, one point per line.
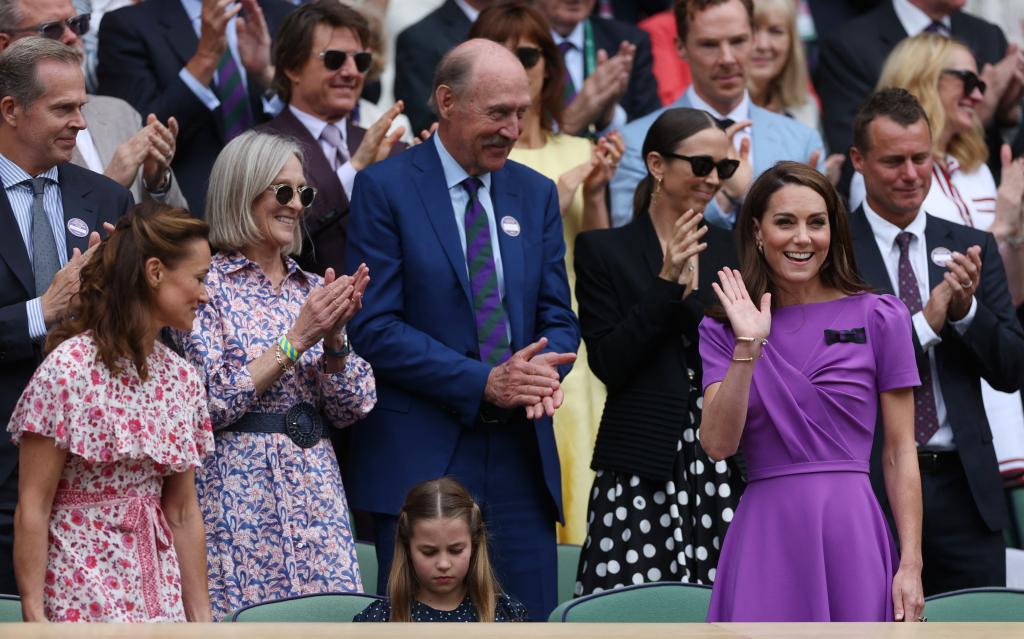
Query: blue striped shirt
x=17, y=184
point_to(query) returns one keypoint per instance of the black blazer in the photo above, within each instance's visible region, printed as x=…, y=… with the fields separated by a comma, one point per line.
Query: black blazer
x=991, y=349
x=88, y=196
x=852, y=57
x=418, y=50
x=640, y=337
x=641, y=96
x=142, y=49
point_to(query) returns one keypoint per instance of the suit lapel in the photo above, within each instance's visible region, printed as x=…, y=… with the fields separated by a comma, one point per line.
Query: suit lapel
x=437, y=203
x=507, y=203
x=74, y=195
x=648, y=244
x=890, y=29
x=870, y=263
x=936, y=235
x=178, y=29
x=12, y=246
x=102, y=132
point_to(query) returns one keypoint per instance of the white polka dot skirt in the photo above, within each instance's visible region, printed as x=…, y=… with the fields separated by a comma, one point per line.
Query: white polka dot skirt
x=640, y=530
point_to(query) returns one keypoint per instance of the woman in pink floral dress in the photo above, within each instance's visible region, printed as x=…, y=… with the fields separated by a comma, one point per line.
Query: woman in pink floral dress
x=111, y=429
x=279, y=373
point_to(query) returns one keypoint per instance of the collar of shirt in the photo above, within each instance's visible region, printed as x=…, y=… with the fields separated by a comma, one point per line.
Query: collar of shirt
x=194, y=11
x=574, y=38
x=11, y=174
x=454, y=174
x=229, y=262
x=741, y=112
x=886, y=232
x=914, y=20
x=470, y=12
x=316, y=126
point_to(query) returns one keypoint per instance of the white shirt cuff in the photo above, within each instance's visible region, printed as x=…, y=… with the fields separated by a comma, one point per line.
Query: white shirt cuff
x=925, y=335
x=36, y=324
x=964, y=323
x=204, y=93
x=347, y=175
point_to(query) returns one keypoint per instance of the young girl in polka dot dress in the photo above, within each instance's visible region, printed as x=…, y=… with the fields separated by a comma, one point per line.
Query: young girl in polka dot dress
x=441, y=570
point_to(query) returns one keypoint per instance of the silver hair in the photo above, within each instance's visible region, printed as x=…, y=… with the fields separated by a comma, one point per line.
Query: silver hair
x=243, y=171
x=18, y=66
x=10, y=16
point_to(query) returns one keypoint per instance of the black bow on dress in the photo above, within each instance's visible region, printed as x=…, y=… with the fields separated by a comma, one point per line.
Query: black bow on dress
x=852, y=336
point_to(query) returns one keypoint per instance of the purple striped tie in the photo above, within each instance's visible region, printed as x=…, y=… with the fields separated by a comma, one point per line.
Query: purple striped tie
x=491, y=323
x=234, y=103
x=568, y=87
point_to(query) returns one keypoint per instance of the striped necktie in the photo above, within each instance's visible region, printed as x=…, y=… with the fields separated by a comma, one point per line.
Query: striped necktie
x=234, y=103
x=45, y=260
x=491, y=323
x=569, y=90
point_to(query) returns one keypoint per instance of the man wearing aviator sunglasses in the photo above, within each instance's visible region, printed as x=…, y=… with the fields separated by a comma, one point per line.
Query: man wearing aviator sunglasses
x=320, y=66
x=113, y=144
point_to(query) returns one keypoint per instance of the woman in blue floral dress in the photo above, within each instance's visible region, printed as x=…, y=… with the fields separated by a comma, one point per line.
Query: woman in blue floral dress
x=272, y=349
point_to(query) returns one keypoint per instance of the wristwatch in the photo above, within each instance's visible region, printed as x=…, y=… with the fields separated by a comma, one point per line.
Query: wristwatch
x=342, y=352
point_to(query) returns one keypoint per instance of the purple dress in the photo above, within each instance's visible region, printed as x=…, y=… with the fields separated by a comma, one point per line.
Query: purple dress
x=809, y=541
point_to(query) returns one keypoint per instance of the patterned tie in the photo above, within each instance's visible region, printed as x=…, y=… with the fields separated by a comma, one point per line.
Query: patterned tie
x=45, y=261
x=937, y=27
x=569, y=90
x=491, y=323
x=605, y=10
x=234, y=103
x=926, y=420
x=332, y=135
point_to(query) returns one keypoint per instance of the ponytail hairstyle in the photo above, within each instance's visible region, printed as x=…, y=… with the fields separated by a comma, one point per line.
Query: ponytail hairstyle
x=114, y=298
x=442, y=498
x=672, y=127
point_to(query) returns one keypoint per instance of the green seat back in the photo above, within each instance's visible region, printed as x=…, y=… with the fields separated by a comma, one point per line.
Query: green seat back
x=329, y=608
x=1017, y=514
x=568, y=562
x=10, y=609
x=366, y=554
x=662, y=602
x=976, y=604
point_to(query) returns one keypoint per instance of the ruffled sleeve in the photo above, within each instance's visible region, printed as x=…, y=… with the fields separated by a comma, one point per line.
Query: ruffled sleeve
x=716, y=348
x=47, y=403
x=893, y=345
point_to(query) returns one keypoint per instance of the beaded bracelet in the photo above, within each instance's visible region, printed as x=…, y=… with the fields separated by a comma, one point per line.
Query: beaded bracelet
x=288, y=349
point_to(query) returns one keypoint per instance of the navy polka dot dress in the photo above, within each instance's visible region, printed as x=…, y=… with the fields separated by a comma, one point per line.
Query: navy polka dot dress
x=507, y=609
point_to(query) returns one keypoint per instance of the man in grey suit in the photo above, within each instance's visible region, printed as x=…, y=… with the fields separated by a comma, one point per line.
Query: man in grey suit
x=115, y=143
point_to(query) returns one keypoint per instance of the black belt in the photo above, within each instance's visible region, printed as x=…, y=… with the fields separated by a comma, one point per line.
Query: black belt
x=302, y=423
x=934, y=461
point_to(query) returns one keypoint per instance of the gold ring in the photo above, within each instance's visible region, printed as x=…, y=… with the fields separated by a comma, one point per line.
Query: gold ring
x=969, y=284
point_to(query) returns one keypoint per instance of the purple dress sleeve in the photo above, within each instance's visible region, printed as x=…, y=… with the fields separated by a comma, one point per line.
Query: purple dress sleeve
x=716, y=348
x=893, y=345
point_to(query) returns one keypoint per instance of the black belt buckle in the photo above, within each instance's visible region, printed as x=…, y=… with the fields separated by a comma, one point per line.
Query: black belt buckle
x=303, y=425
x=933, y=461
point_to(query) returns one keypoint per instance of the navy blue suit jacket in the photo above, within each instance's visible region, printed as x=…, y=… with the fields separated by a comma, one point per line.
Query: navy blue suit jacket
x=417, y=325
x=88, y=196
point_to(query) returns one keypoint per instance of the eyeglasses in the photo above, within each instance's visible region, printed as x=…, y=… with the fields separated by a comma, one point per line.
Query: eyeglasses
x=335, y=59
x=285, y=192
x=702, y=164
x=970, y=79
x=79, y=25
x=529, y=56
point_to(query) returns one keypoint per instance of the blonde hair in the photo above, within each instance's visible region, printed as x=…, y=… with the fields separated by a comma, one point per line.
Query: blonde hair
x=442, y=498
x=790, y=86
x=916, y=65
x=245, y=169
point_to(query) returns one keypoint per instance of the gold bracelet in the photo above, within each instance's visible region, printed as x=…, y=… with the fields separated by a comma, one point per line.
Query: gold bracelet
x=280, y=361
x=743, y=359
x=741, y=338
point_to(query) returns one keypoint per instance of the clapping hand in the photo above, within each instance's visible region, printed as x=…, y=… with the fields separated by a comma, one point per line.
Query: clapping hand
x=328, y=307
x=746, y=319
x=527, y=379
x=680, y=264
x=254, y=43
x=377, y=143
x=353, y=303
x=737, y=185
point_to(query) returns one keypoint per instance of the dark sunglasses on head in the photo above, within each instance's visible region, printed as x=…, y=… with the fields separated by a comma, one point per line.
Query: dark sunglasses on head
x=528, y=56
x=285, y=192
x=79, y=25
x=335, y=59
x=702, y=165
x=970, y=79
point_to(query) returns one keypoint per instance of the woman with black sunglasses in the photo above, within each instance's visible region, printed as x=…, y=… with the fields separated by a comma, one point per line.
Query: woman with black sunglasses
x=279, y=373
x=659, y=507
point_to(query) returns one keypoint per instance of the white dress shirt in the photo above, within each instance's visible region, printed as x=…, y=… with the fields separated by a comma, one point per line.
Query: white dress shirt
x=470, y=12
x=574, y=63
x=346, y=172
x=86, y=146
x=738, y=114
x=914, y=20
x=885, y=236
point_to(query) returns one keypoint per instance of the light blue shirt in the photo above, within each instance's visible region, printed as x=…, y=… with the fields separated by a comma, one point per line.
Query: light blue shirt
x=194, y=10
x=454, y=175
x=574, y=63
x=19, y=194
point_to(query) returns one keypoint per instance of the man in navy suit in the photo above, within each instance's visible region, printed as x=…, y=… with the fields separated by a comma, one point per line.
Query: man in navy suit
x=50, y=214
x=952, y=280
x=467, y=323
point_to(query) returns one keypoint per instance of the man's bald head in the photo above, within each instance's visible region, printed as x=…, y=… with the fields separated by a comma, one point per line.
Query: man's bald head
x=457, y=68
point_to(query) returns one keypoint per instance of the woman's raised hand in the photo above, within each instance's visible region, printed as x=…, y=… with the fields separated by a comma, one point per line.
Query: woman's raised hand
x=746, y=319
x=322, y=310
x=682, y=249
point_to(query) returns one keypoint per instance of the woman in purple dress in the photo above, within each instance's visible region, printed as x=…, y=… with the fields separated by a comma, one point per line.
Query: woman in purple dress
x=798, y=382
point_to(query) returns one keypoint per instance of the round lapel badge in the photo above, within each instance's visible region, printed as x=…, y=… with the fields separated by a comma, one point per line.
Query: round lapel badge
x=941, y=255
x=78, y=227
x=510, y=226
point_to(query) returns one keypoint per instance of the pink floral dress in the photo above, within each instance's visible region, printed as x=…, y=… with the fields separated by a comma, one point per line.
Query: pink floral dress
x=111, y=556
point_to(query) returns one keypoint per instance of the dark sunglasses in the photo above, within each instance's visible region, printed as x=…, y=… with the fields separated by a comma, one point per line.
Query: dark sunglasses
x=528, y=56
x=702, y=165
x=335, y=59
x=970, y=79
x=79, y=26
x=285, y=192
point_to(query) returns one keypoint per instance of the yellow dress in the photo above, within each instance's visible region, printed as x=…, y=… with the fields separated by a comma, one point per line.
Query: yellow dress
x=576, y=422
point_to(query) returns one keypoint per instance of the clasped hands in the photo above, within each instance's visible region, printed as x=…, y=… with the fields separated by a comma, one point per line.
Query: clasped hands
x=951, y=299
x=680, y=264
x=530, y=379
x=327, y=309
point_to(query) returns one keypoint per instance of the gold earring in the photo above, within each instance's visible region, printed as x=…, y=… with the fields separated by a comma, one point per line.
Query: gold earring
x=656, y=193
x=760, y=247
